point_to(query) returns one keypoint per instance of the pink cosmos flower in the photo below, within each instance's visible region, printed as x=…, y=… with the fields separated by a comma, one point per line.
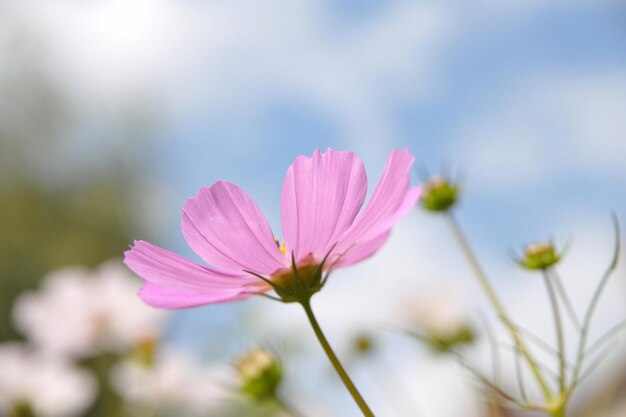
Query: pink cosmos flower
x=320, y=203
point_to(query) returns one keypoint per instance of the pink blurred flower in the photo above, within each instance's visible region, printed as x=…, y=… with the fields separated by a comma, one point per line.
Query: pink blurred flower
x=320, y=200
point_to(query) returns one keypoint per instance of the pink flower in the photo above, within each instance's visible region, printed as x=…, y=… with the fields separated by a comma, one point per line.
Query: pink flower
x=320, y=200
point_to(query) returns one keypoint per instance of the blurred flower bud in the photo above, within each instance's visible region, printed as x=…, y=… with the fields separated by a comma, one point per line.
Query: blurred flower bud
x=442, y=323
x=363, y=344
x=145, y=350
x=439, y=194
x=260, y=374
x=541, y=255
x=444, y=343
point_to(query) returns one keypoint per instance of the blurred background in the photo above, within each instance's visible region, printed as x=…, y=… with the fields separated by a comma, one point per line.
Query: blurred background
x=113, y=112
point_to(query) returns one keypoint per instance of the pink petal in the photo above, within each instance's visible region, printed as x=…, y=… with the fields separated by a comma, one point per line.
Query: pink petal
x=363, y=250
x=172, y=280
x=171, y=298
x=392, y=199
x=321, y=196
x=227, y=230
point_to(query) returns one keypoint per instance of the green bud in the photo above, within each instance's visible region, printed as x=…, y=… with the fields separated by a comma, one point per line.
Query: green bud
x=540, y=255
x=439, y=194
x=260, y=374
x=445, y=342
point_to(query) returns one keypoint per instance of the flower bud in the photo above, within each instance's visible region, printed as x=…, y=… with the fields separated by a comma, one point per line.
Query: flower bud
x=144, y=351
x=541, y=255
x=260, y=374
x=441, y=322
x=439, y=194
x=363, y=344
x=464, y=335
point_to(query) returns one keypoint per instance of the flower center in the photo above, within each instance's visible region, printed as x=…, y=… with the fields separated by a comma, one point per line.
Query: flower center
x=299, y=281
x=287, y=278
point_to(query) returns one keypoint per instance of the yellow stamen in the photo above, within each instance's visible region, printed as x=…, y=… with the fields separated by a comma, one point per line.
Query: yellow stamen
x=281, y=246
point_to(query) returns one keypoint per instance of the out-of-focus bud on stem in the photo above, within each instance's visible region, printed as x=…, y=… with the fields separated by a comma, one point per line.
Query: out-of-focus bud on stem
x=260, y=374
x=363, y=344
x=439, y=194
x=145, y=350
x=446, y=342
x=442, y=323
x=541, y=255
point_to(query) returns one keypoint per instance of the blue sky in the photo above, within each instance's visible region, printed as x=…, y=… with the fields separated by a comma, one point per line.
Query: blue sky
x=487, y=61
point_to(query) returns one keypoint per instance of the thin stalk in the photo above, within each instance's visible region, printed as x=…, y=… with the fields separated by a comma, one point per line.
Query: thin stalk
x=497, y=305
x=520, y=377
x=345, y=378
x=493, y=347
x=558, y=325
x=569, y=307
x=596, y=362
x=606, y=337
x=584, y=333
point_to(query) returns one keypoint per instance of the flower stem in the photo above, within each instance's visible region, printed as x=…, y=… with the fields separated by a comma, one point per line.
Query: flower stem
x=335, y=362
x=567, y=302
x=559, y=330
x=558, y=411
x=497, y=305
x=584, y=333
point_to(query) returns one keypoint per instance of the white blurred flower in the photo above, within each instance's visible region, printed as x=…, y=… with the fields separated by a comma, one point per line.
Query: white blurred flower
x=79, y=312
x=174, y=381
x=437, y=314
x=51, y=387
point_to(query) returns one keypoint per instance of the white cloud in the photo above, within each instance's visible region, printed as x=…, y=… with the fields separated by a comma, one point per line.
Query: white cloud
x=233, y=55
x=550, y=126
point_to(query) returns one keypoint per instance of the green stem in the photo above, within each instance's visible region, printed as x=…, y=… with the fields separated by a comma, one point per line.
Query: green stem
x=584, y=333
x=497, y=305
x=559, y=330
x=567, y=302
x=559, y=411
x=336, y=364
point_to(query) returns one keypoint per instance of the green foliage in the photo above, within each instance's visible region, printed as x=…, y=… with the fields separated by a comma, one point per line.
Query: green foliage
x=44, y=229
x=22, y=410
x=108, y=403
